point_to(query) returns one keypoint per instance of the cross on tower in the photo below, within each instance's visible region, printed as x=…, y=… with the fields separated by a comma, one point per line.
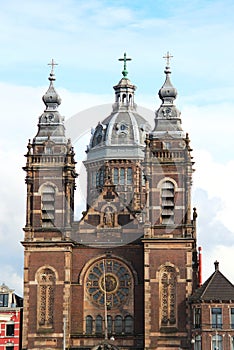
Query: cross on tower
x=52, y=64
x=167, y=57
x=125, y=59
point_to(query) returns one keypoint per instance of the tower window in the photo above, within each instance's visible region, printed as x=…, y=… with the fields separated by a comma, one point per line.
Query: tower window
x=122, y=176
x=46, y=297
x=129, y=176
x=48, y=206
x=100, y=178
x=116, y=176
x=167, y=202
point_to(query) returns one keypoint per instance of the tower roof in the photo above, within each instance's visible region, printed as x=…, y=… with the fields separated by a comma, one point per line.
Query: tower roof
x=216, y=288
x=51, y=123
x=122, y=133
x=167, y=117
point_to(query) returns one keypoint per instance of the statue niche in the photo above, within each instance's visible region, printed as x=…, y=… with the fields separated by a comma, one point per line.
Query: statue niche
x=108, y=217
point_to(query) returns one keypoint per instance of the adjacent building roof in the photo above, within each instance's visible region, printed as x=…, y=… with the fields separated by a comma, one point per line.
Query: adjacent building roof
x=216, y=288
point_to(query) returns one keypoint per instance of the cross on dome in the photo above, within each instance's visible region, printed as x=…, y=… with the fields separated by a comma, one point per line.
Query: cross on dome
x=52, y=64
x=168, y=57
x=125, y=59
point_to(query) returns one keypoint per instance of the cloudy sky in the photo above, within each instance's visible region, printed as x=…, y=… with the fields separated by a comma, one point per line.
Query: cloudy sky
x=86, y=38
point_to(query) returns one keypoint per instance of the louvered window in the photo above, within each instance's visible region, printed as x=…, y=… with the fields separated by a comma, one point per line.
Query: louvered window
x=48, y=206
x=167, y=202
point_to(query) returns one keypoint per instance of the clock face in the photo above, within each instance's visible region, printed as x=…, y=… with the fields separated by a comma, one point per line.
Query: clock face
x=110, y=277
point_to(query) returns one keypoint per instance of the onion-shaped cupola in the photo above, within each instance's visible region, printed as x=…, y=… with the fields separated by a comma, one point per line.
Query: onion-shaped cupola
x=122, y=133
x=167, y=117
x=51, y=123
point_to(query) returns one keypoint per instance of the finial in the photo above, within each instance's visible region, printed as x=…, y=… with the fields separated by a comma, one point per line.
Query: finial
x=52, y=64
x=168, y=57
x=125, y=59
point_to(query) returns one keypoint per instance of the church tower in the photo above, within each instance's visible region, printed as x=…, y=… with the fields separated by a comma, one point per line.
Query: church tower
x=170, y=231
x=50, y=179
x=121, y=276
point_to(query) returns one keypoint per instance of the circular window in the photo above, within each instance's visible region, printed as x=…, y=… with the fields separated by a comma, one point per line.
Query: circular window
x=110, y=279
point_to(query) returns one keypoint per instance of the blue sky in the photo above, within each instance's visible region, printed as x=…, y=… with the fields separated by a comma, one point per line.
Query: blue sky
x=86, y=38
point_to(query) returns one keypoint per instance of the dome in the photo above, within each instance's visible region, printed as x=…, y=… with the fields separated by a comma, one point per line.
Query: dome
x=51, y=97
x=122, y=133
x=167, y=91
x=121, y=128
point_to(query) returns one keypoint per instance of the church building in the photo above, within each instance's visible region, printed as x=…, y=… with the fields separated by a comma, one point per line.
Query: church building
x=125, y=274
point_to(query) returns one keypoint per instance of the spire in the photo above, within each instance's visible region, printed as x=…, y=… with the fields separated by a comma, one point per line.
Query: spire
x=51, y=123
x=51, y=97
x=167, y=117
x=167, y=93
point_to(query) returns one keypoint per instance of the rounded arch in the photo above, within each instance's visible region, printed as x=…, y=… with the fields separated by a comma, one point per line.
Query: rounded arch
x=165, y=265
x=47, y=184
x=41, y=269
x=87, y=266
x=167, y=179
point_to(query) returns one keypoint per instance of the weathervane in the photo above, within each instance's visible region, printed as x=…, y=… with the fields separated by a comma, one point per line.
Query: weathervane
x=125, y=59
x=168, y=57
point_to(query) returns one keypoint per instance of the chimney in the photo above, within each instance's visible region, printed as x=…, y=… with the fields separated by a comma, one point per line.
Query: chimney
x=216, y=264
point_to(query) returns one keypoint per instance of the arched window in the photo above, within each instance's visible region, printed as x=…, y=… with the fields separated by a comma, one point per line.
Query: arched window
x=168, y=296
x=128, y=324
x=89, y=325
x=46, y=286
x=124, y=97
x=98, y=325
x=48, y=206
x=217, y=342
x=118, y=324
x=167, y=202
